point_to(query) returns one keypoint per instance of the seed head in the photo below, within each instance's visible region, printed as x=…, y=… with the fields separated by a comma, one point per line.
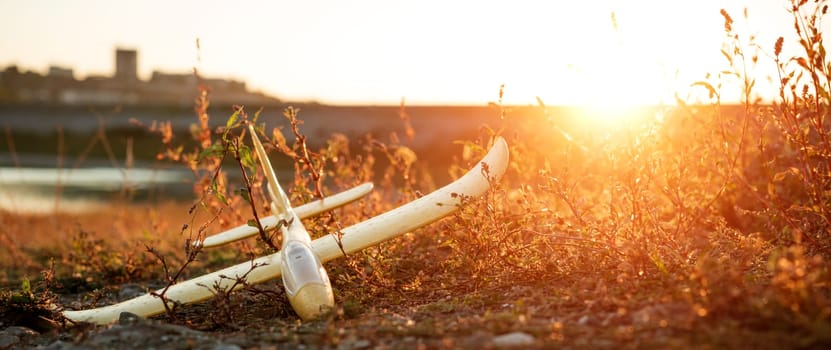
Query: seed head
x=777, y=48
x=728, y=21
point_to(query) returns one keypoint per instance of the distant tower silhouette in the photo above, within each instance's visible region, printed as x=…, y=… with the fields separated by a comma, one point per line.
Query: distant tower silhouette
x=126, y=65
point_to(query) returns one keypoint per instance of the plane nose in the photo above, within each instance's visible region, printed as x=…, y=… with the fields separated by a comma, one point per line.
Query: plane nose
x=307, y=284
x=312, y=300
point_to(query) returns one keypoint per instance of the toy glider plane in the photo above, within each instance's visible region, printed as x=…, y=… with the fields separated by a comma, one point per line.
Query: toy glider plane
x=300, y=259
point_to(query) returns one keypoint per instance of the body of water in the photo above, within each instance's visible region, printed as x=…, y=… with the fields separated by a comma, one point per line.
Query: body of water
x=39, y=190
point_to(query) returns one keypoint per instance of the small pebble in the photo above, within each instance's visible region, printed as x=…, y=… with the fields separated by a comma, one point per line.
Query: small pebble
x=223, y=346
x=128, y=318
x=514, y=339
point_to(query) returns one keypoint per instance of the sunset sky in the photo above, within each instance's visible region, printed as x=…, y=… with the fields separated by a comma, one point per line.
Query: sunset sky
x=427, y=51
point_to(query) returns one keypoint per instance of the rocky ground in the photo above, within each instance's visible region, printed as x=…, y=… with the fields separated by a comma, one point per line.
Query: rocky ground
x=518, y=316
x=257, y=323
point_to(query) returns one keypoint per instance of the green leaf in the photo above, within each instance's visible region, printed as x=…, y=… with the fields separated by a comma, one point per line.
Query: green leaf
x=222, y=198
x=231, y=120
x=257, y=116
x=215, y=150
x=247, y=158
x=243, y=192
x=219, y=195
x=26, y=286
x=252, y=223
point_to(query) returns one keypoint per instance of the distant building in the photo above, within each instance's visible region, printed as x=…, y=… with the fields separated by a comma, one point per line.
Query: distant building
x=61, y=73
x=59, y=87
x=126, y=65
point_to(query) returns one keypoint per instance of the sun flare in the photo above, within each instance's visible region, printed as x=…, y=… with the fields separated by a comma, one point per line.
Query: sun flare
x=616, y=77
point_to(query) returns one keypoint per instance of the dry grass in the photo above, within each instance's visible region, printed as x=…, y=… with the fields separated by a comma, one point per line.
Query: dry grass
x=707, y=226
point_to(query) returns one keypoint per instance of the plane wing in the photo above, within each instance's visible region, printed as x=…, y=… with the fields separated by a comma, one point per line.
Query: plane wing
x=386, y=226
x=304, y=211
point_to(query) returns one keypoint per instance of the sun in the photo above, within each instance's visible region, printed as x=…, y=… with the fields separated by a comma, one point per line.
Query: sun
x=618, y=91
x=616, y=73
